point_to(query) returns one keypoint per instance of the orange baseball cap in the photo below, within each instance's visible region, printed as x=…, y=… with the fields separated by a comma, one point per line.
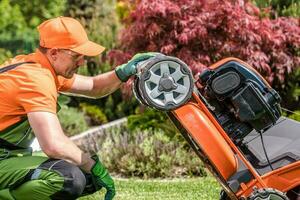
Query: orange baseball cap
x=67, y=33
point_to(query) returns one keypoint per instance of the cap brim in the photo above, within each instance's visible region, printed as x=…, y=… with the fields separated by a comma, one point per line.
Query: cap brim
x=89, y=49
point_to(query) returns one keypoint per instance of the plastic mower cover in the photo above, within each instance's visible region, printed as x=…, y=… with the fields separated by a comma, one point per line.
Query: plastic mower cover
x=163, y=82
x=244, y=92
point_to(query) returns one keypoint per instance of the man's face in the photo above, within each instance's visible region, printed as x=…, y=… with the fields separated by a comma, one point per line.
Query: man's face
x=67, y=62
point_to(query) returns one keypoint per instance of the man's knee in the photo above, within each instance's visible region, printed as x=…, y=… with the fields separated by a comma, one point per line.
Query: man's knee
x=74, y=179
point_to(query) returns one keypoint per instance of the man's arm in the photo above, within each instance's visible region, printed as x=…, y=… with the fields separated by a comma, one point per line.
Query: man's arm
x=107, y=83
x=97, y=86
x=55, y=143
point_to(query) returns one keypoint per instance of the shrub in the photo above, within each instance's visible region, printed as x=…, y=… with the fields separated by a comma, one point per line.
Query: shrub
x=291, y=93
x=295, y=115
x=4, y=55
x=203, y=32
x=150, y=119
x=292, y=10
x=19, y=19
x=116, y=107
x=71, y=119
x=123, y=8
x=95, y=114
x=146, y=154
x=149, y=154
x=275, y=8
x=12, y=22
x=280, y=7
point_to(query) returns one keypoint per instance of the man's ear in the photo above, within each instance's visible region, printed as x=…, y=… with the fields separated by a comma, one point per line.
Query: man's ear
x=52, y=53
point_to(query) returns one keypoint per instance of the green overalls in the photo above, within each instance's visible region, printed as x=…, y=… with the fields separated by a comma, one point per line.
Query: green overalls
x=27, y=177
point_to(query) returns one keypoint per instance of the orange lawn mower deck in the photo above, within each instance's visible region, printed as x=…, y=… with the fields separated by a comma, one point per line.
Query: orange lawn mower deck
x=233, y=123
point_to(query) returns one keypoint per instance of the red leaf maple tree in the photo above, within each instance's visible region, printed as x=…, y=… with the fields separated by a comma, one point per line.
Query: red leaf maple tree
x=201, y=32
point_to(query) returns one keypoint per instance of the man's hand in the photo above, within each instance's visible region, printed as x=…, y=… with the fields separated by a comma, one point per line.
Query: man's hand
x=101, y=178
x=128, y=69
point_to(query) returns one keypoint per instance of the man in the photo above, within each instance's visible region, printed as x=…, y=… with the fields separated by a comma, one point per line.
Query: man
x=29, y=85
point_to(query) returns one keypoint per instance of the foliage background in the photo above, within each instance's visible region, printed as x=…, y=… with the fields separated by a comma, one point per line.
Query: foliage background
x=203, y=32
x=19, y=19
x=144, y=153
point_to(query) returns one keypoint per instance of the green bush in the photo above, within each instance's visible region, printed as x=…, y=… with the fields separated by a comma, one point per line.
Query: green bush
x=147, y=154
x=115, y=107
x=72, y=120
x=281, y=7
x=150, y=119
x=95, y=114
x=295, y=115
x=19, y=19
x=292, y=10
x=291, y=93
x=4, y=55
x=12, y=22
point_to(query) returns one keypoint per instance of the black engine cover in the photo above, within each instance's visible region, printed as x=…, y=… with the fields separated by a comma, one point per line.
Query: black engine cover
x=242, y=91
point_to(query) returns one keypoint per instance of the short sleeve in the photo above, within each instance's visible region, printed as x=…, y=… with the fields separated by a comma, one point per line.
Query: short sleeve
x=37, y=92
x=64, y=83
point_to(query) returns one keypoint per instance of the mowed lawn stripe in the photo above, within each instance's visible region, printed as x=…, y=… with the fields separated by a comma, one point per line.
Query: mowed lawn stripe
x=176, y=189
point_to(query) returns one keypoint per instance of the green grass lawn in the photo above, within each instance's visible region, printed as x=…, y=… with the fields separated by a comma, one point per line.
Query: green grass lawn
x=163, y=189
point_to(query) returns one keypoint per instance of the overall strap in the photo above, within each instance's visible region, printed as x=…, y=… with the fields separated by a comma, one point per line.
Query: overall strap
x=12, y=66
x=15, y=140
x=11, y=145
x=7, y=145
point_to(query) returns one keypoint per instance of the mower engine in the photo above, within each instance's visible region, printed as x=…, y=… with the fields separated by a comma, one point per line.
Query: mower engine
x=241, y=99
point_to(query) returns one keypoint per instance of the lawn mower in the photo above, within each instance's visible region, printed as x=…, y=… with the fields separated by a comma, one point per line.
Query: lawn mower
x=232, y=119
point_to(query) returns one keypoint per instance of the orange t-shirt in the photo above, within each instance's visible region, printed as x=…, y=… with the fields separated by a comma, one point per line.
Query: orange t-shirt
x=29, y=87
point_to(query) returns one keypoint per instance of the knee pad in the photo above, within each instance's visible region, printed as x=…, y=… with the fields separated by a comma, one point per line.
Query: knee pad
x=74, y=179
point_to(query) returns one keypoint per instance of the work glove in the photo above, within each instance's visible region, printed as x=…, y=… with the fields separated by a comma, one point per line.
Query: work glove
x=125, y=71
x=101, y=178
